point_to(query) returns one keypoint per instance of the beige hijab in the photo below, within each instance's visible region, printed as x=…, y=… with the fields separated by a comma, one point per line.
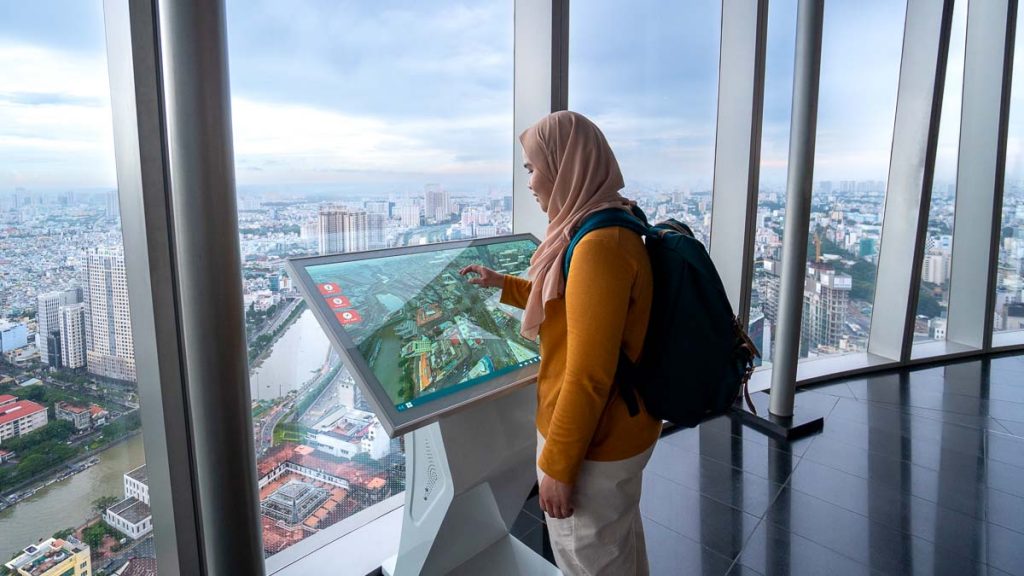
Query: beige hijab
x=570, y=152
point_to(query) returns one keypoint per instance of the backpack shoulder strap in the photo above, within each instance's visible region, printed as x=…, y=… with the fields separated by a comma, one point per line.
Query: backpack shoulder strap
x=636, y=222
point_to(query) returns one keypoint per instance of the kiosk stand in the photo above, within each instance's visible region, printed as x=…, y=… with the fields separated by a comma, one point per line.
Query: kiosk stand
x=467, y=477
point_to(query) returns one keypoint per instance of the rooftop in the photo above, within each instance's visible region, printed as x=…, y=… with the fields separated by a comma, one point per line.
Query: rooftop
x=140, y=475
x=68, y=407
x=16, y=410
x=40, y=558
x=132, y=509
x=7, y=398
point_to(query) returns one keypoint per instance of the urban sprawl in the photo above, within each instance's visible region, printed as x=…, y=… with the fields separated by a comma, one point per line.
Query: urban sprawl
x=68, y=376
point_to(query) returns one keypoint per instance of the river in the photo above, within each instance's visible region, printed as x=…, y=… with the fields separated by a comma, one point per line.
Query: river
x=69, y=503
x=296, y=357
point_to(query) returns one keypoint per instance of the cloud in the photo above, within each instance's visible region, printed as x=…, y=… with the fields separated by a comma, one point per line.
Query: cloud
x=55, y=123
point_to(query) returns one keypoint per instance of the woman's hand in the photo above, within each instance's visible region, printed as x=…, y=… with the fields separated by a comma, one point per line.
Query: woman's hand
x=555, y=498
x=486, y=277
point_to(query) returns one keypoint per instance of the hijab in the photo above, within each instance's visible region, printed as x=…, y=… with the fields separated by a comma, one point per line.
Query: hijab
x=571, y=153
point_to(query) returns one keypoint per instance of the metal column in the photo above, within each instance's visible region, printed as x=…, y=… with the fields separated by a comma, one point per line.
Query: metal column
x=201, y=170
x=798, y=203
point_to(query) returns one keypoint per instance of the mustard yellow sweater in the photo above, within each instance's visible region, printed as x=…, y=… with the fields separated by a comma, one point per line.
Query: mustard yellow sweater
x=606, y=306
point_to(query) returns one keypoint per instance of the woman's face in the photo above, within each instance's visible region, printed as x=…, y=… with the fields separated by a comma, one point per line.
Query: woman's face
x=539, y=185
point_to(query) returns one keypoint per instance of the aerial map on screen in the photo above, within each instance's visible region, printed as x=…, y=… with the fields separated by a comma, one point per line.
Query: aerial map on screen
x=424, y=330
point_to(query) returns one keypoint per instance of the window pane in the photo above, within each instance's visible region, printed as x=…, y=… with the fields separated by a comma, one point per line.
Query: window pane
x=73, y=486
x=933, y=296
x=1009, y=310
x=351, y=136
x=860, y=63
x=647, y=73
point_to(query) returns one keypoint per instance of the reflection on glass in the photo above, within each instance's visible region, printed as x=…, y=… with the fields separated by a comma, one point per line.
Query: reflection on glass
x=73, y=484
x=647, y=74
x=1009, y=309
x=860, y=63
x=933, y=295
x=348, y=137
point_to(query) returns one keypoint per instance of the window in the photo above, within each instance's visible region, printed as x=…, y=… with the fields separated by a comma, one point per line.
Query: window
x=1009, y=305
x=860, y=63
x=933, y=296
x=647, y=74
x=351, y=136
x=70, y=428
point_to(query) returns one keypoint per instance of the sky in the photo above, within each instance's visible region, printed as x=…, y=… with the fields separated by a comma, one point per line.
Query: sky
x=403, y=92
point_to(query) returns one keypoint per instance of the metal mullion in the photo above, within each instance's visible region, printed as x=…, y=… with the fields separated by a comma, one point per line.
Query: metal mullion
x=981, y=168
x=559, y=55
x=911, y=170
x=738, y=146
x=535, y=34
x=132, y=60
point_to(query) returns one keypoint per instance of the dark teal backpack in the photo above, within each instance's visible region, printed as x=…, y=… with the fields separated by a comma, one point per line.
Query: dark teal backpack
x=696, y=357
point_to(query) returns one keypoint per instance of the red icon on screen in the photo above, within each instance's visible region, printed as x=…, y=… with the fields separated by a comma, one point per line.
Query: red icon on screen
x=348, y=317
x=329, y=288
x=338, y=302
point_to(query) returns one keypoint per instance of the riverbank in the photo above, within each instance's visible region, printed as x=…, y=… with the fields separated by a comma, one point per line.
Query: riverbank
x=262, y=344
x=68, y=503
x=47, y=477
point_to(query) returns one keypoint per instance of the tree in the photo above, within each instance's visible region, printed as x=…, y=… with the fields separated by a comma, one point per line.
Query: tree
x=93, y=535
x=101, y=504
x=928, y=304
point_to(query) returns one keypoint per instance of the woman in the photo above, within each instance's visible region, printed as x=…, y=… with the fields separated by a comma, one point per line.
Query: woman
x=590, y=452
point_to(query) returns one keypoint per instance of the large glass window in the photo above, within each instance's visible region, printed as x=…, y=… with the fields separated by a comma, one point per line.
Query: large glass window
x=73, y=483
x=933, y=295
x=647, y=73
x=860, y=62
x=358, y=125
x=1009, y=309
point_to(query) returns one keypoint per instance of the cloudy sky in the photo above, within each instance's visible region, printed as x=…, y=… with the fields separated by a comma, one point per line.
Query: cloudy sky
x=403, y=92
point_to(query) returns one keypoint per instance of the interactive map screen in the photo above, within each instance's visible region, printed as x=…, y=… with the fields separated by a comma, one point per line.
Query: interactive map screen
x=423, y=331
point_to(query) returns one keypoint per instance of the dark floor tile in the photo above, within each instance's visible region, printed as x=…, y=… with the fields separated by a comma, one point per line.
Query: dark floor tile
x=756, y=457
x=1005, y=550
x=536, y=540
x=716, y=526
x=717, y=480
x=840, y=389
x=775, y=551
x=883, y=547
x=1005, y=448
x=1012, y=427
x=669, y=552
x=524, y=523
x=1006, y=510
x=532, y=507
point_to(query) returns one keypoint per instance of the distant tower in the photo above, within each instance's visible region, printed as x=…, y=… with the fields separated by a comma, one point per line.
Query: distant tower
x=108, y=327
x=437, y=204
x=48, y=321
x=71, y=342
x=342, y=230
x=376, y=231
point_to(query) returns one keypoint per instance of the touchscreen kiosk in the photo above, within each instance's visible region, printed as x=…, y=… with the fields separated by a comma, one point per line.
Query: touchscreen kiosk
x=442, y=361
x=419, y=339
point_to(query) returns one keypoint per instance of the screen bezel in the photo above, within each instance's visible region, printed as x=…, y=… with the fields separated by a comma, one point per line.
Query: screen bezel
x=397, y=422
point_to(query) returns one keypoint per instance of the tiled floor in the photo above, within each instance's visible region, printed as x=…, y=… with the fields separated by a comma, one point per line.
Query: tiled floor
x=919, y=472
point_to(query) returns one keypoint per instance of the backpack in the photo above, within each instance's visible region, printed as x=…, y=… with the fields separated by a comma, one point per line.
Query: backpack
x=696, y=357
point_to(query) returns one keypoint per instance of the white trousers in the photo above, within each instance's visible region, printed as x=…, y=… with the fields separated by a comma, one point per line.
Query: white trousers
x=605, y=534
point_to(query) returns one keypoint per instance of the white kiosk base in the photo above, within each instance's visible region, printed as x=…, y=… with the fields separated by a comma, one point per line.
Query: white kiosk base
x=467, y=477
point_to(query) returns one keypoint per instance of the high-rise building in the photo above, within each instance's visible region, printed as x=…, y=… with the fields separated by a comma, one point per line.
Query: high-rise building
x=437, y=204
x=72, y=350
x=342, y=230
x=108, y=328
x=936, y=268
x=48, y=321
x=378, y=207
x=826, y=296
x=410, y=216
x=376, y=224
